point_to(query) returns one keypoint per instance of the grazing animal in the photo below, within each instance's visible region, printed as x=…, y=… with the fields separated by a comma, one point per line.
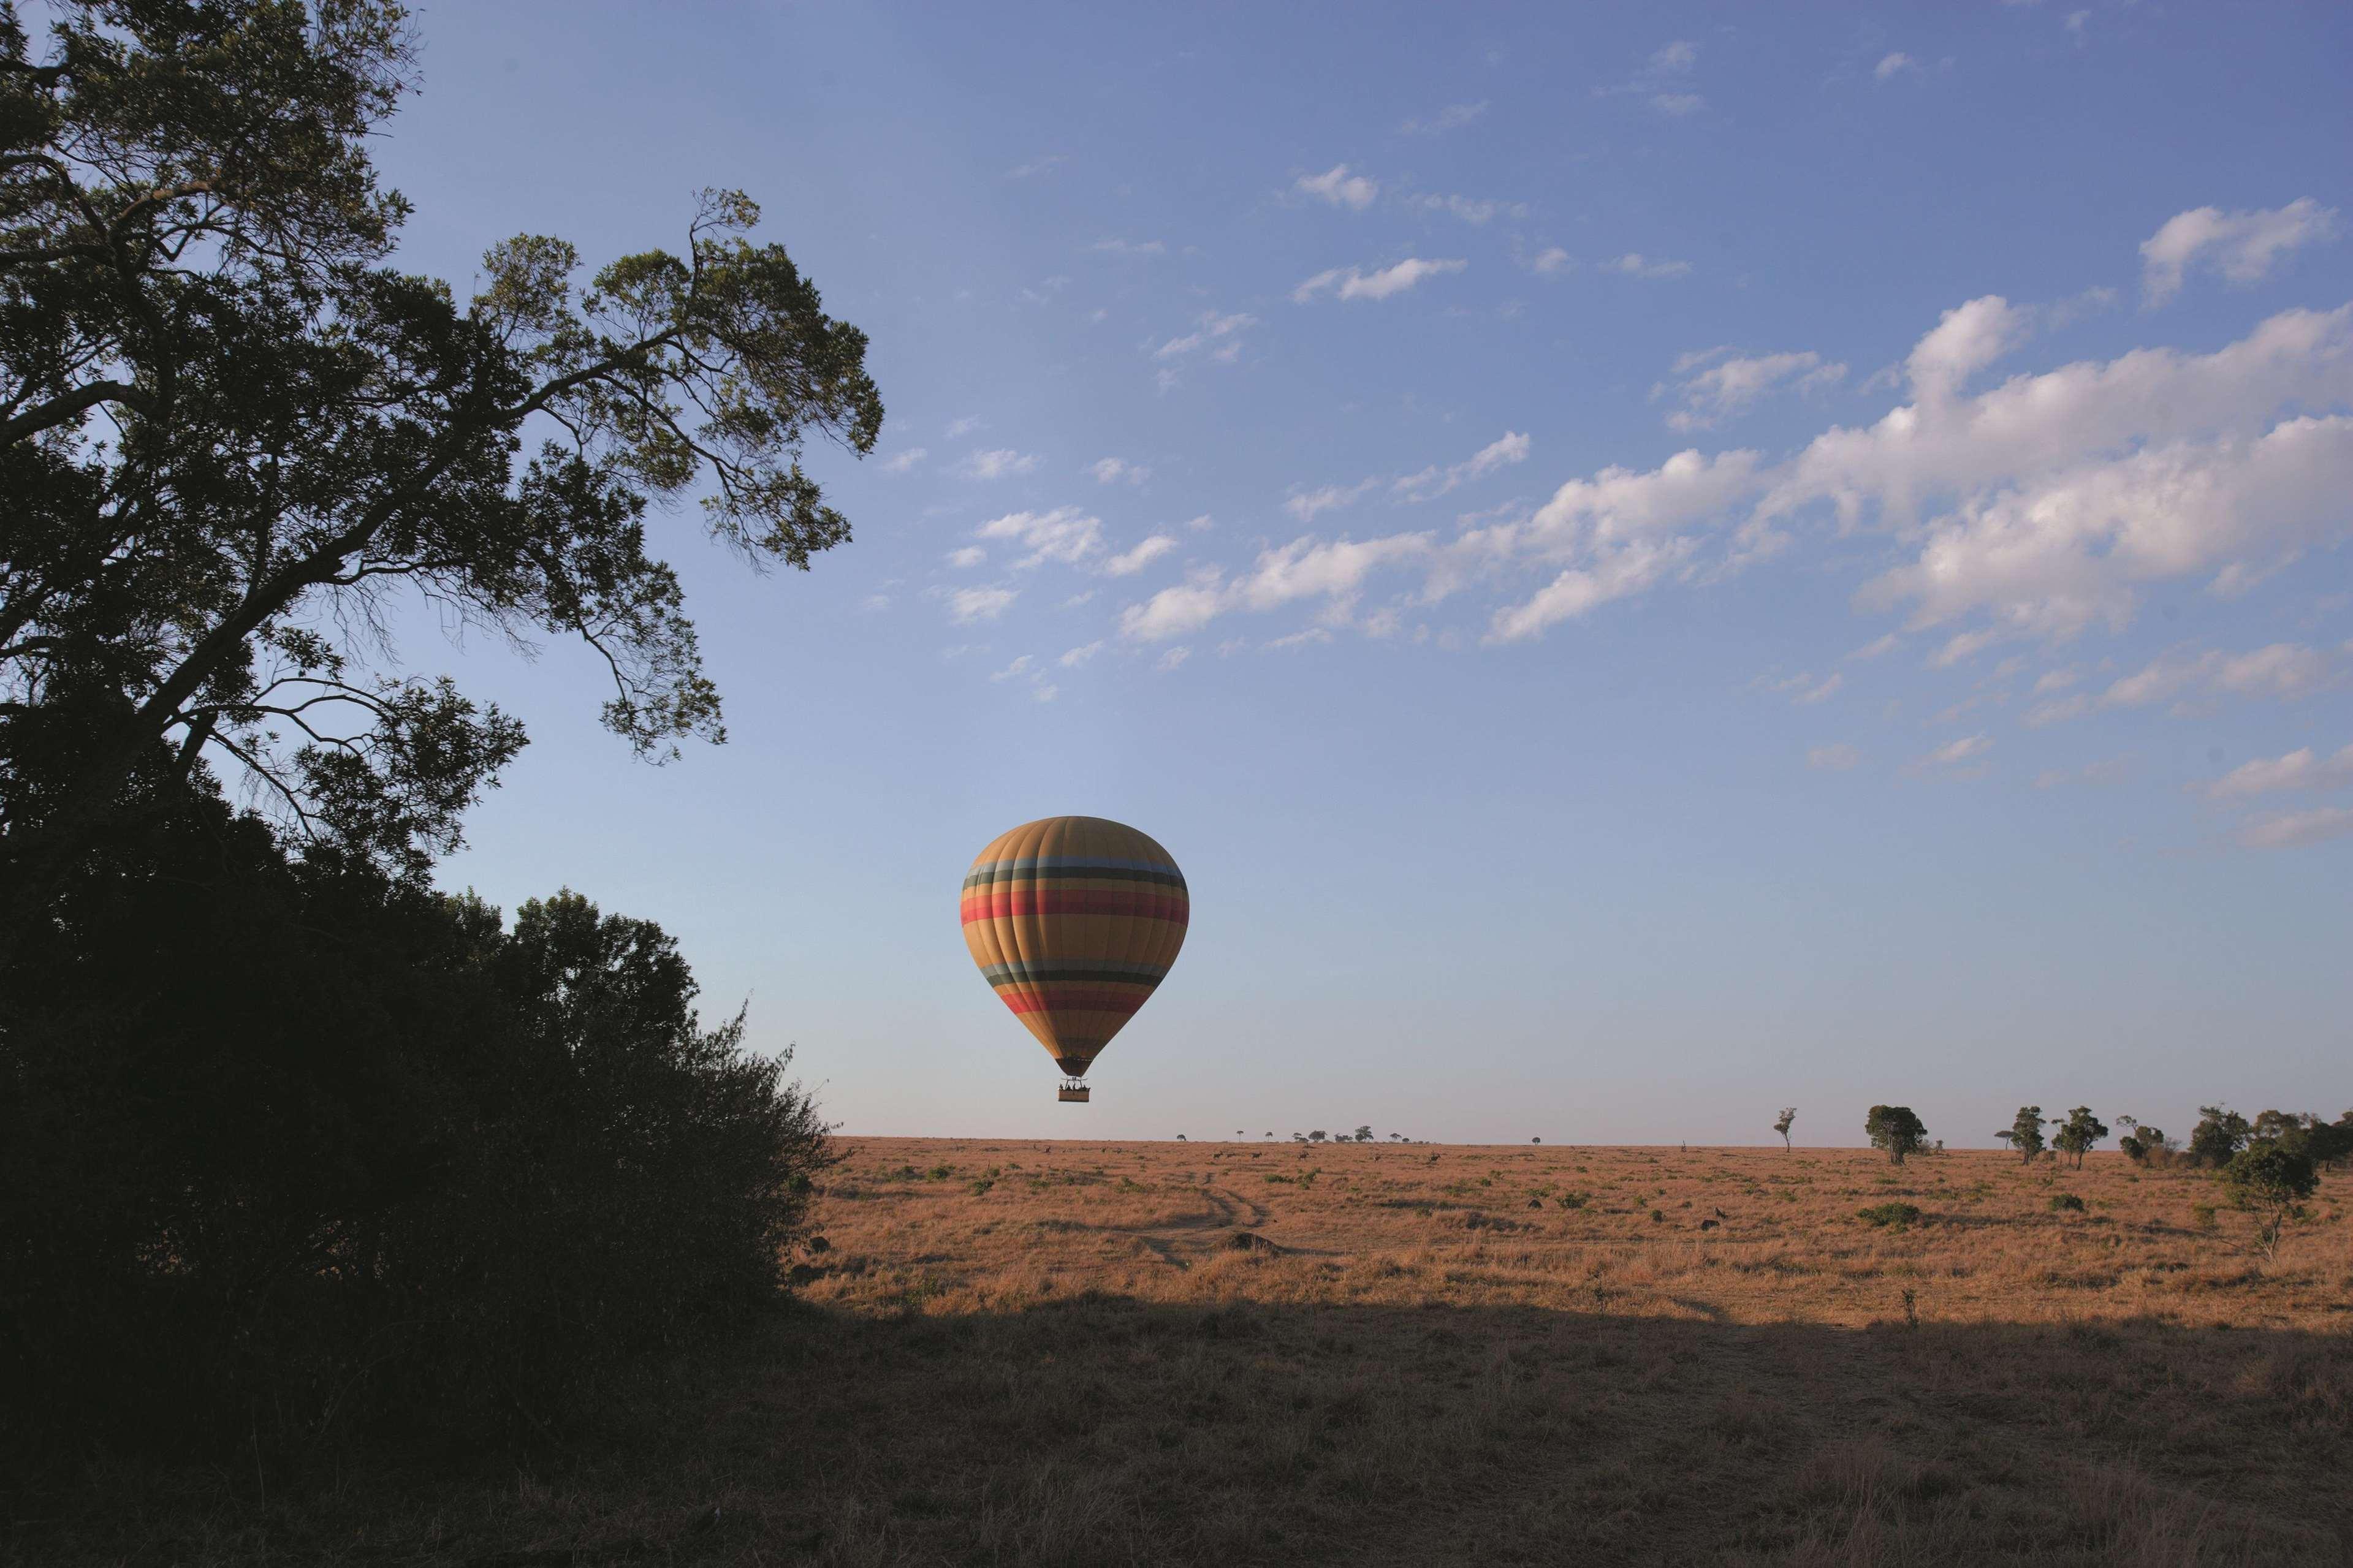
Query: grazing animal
x=1707, y=1225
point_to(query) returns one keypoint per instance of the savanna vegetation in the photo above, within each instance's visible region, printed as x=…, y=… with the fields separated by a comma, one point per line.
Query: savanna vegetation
x=343, y=1220
x=1253, y=1352
x=293, y=1147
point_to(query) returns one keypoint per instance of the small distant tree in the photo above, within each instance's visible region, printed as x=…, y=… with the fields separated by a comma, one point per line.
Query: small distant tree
x=2025, y=1133
x=1895, y=1129
x=2221, y=1133
x=1365, y=1134
x=1536, y=1140
x=1180, y=1138
x=2271, y=1181
x=1787, y=1120
x=2079, y=1133
x=1317, y=1136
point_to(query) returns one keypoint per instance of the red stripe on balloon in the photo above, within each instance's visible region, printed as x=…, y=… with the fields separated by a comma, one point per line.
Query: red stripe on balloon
x=999, y=903
x=1058, y=998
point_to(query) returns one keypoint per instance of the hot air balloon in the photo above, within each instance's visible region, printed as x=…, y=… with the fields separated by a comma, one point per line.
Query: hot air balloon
x=1074, y=921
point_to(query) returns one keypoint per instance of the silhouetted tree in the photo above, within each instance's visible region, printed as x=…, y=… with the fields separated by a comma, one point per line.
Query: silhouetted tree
x=230, y=429
x=1895, y=1129
x=1782, y=1123
x=1363, y=1135
x=2025, y=1134
x=2270, y=1180
x=1317, y=1136
x=2221, y=1132
x=2079, y=1133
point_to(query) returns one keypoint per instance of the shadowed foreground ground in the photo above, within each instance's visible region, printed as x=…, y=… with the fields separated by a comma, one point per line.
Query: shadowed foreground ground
x=1072, y=1361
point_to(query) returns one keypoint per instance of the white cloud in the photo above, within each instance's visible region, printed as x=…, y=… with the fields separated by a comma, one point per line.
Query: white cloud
x=1890, y=65
x=1065, y=534
x=1454, y=117
x=2297, y=829
x=2284, y=672
x=1110, y=470
x=1045, y=164
x=1305, y=504
x=1822, y=693
x=903, y=461
x=1834, y=759
x=1306, y=568
x=967, y=605
x=2069, y=490
x=1116, y=247
x=1339, y=187
x=1128, y=562
x=1473, y=210
x=1210, y=328
x=1550, y=262
x=1633, y=265
x=1509, y=448
x=998, y=464
x=1952, y=753
x=1730, y=387
x=1020, y=666
x=971, y=555
x=1878, y=647
x=965, y=426
x=1677, y=103
x=2242, y=245
x=1352, y=283
x=1678, y=55
x=2299, y=770
x=1079, y=655
x=1173, y=657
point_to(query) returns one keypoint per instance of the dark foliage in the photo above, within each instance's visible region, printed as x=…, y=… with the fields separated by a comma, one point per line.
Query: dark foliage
x=2221, y=1132
x=290, y=1148
x=231, y=430
x=1897, y=1130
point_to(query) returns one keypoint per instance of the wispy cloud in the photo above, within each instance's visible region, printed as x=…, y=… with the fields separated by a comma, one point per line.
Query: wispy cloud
x=969, y=605
x=1128, y=562
x=1634, y=264
x=1893, y=65
x=2242, y=246
x=1339, y=187
x=2299, y=770
x=904, y=461
x=1731, y=385
x=1115, y=247
x=1836, y=758
x=1065, y=534
x=2297, y=829
x=1212, y=329
x=1352, y=283
x=1454, y=117
x=1511, y=447
x=1002, y=463
x=1112, y=471
x=968, y=557
x=1044, y=166
x=1306, y=505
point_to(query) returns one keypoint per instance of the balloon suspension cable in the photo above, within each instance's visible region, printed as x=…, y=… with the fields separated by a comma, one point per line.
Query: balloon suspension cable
x=1073, y=1089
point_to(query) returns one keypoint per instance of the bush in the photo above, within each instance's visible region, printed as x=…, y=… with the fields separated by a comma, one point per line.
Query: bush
x=2270, y=1180
x=1895, y=1217
x=2066, y=1203
x=287, y=1149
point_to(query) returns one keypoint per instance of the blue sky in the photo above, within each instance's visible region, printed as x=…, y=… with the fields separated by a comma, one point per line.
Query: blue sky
x=1649, y=566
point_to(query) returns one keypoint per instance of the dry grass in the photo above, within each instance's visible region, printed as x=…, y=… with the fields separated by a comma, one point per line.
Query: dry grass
x=1088, y=1353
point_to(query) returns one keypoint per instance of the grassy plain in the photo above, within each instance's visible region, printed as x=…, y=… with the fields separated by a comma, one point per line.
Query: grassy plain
x=1079, y=1353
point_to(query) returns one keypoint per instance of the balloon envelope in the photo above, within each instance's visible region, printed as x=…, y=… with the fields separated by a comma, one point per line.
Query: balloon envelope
x=1074, y=921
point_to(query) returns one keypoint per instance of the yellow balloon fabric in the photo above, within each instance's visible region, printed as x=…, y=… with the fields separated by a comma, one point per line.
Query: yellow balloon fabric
x=1074, y=921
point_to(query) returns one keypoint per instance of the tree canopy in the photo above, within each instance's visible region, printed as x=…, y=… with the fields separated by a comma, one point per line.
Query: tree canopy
x=232, y=429
x=1896, y=1129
